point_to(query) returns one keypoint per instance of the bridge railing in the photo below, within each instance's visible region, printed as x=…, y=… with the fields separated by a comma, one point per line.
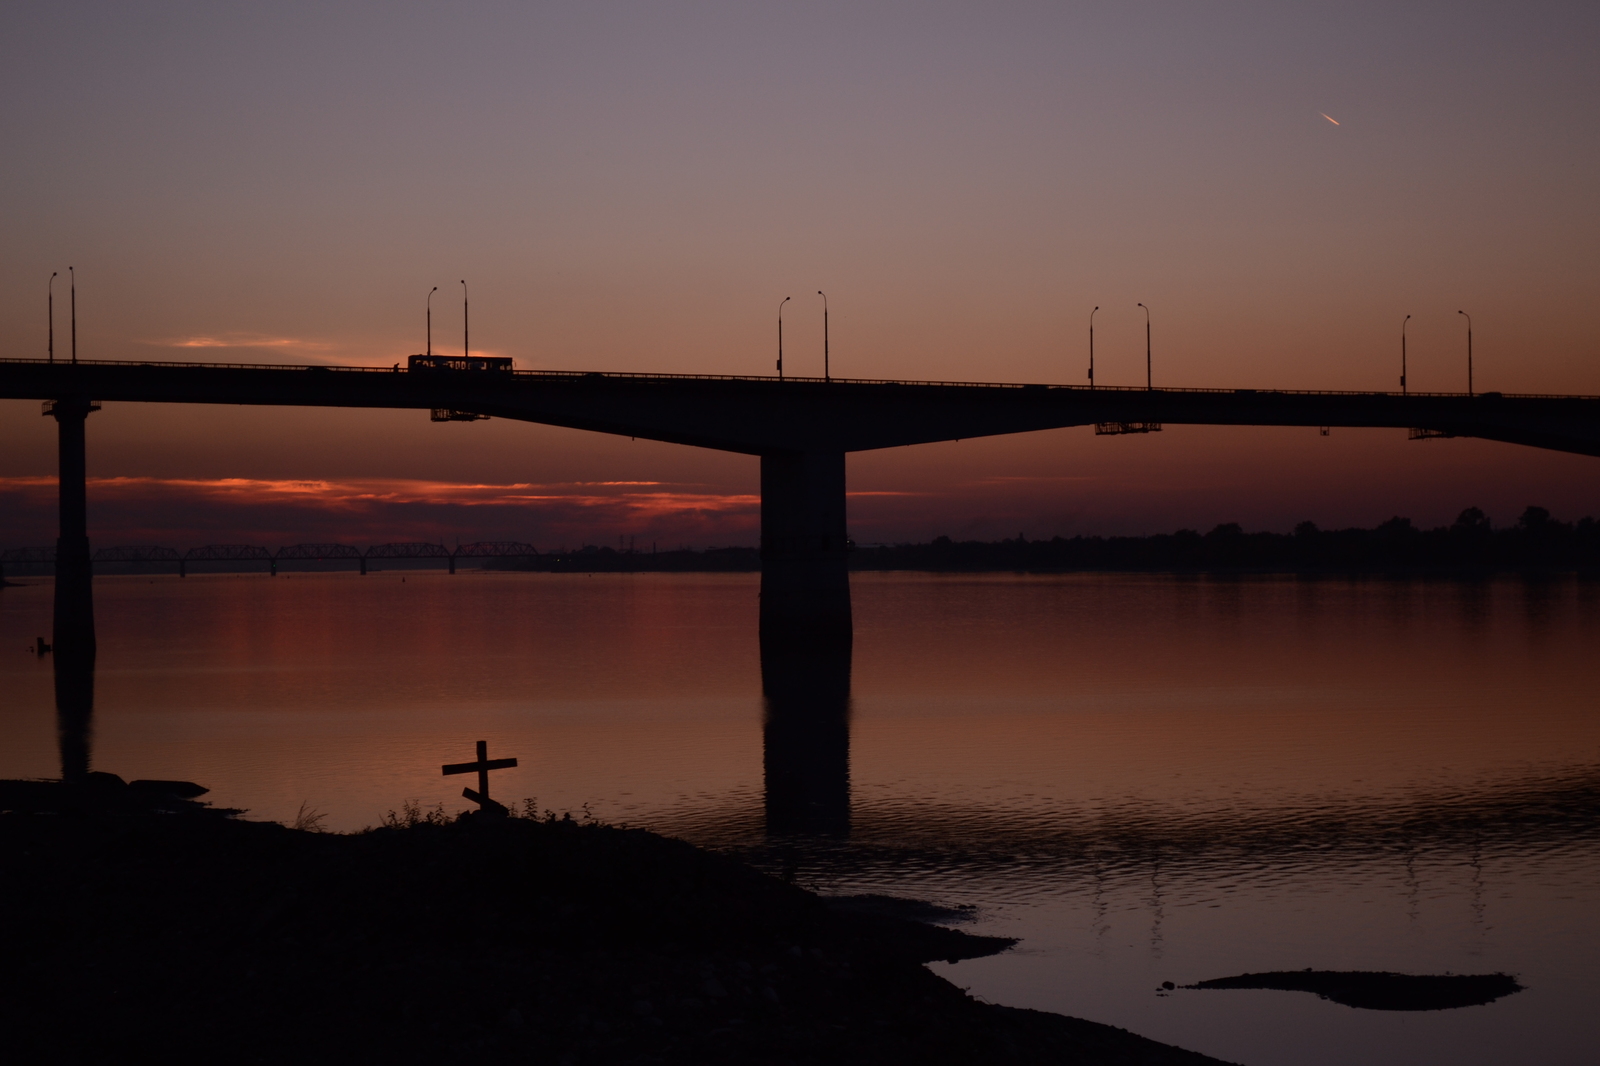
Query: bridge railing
x=408, y=550
x=137, y=553
x=578, y=375
x=27, y=557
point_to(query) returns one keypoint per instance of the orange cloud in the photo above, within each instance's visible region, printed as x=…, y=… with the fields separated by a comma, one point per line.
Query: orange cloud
x=1008, y=479
x=186, y=511
x=243, y=340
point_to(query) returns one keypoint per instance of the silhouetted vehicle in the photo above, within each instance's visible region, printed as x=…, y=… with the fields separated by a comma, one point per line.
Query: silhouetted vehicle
x=459, y=362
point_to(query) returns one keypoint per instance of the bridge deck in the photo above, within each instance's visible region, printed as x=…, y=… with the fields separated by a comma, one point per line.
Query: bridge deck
x=765, y=415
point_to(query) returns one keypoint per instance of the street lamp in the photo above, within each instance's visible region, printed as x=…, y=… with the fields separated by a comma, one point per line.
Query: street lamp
x=466, y=336
x=429, y=304
x=825, y=375
x=1403, y=354
x=780, y=336
x=1147, y=378
x=1469, y=350
x=74, y=307
x=50, y=305
x=1091, y=347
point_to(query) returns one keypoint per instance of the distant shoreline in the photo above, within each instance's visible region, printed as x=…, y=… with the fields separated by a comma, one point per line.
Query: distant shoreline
x=1470, y=547
x=1537, y=543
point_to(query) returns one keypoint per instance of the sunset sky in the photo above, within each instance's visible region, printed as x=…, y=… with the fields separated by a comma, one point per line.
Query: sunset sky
x=636, y=187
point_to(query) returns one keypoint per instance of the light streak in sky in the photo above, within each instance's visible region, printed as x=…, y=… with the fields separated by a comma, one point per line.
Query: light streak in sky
x=190, y=511
x=359, y=493
x=365, y=493
x=1329, y=117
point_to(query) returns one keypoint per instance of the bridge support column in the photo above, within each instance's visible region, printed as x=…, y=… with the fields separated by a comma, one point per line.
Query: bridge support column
x=73, y=627
x=805, y=586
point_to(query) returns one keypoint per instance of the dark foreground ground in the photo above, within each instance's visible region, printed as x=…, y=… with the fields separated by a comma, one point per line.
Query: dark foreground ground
x=193, y=937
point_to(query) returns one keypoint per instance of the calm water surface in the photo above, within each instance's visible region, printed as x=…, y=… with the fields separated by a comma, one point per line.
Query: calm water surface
x=1144, y=778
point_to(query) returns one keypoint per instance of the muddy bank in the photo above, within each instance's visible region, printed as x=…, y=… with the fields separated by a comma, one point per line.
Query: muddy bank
x=197, y=937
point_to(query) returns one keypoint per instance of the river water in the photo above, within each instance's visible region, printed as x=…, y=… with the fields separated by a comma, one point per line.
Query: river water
x=1144, y=778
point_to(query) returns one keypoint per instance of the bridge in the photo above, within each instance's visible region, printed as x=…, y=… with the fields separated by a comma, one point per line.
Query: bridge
x=154, y=554
x=801, y=428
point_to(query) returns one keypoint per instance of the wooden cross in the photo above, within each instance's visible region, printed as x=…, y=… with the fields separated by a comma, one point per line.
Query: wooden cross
x=482, y=766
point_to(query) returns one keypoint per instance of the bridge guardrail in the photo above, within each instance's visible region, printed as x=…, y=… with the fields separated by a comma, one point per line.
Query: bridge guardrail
x=575, y=375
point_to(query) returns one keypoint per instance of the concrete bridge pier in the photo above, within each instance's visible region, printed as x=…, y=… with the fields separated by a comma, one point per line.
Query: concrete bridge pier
x=805, y=643
x=805, y=583
x=73, y=627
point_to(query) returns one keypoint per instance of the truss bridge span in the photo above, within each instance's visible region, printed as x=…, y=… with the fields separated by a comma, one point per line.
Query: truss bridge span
x=44, y=557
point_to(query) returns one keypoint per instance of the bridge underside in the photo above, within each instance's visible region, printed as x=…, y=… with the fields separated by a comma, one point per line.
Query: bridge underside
x=758, y=416
x=801, y=429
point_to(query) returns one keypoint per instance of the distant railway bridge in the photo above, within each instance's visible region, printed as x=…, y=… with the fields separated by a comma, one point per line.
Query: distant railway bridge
x=156, y=555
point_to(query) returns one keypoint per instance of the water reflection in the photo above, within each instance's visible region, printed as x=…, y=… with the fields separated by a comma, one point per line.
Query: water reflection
x=806, y=737
x=74, y=683
x=73, y=650
x=1248, y=776
x=1167, y=855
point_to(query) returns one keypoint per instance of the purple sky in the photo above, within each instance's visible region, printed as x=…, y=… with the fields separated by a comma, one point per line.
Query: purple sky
x=636, y=186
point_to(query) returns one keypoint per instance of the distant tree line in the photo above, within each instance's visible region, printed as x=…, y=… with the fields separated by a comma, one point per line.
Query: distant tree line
x=1535, y=542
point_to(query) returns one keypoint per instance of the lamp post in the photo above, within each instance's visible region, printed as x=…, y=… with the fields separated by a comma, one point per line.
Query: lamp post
x=1469, y=350
x=429, y=304
x=826, y=376
x=466, y=336
x=74, y=307
x=780, y=336
x=1148, y=379
x=1403, y=354
x=50, y=306
x=1091, y=347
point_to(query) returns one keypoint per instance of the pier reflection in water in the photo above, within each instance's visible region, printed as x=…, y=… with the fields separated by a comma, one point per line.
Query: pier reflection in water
x=1145, y=778
x=74, y=701
x=806, y=737
x=72, y=629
